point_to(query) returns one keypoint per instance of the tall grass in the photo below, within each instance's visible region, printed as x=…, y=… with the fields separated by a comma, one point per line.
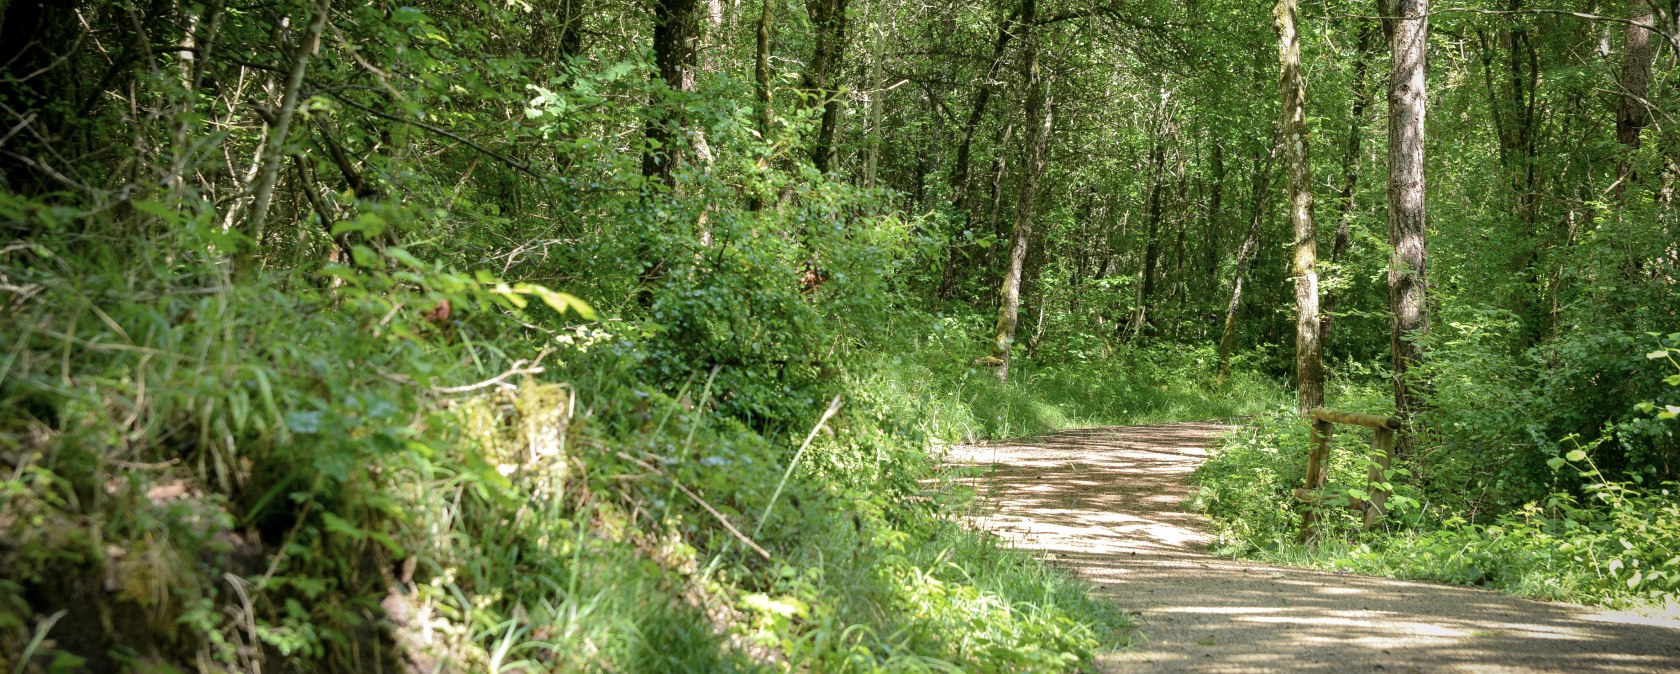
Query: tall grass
x=931, y=376
x=313, y=475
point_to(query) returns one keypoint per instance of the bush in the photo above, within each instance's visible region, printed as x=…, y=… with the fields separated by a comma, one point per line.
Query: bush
x=1587, y=537
x=397, y=462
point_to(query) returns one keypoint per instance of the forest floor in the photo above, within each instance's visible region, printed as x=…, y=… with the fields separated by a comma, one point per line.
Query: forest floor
x=1109, y=504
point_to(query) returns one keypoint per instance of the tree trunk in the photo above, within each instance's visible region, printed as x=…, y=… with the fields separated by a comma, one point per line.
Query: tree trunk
x=1350, y=176
x=960, y=170
x=676, y=26
x=761, y=69
x=274, y=151
x=828, y=18
x=1216, y=196
x=1152, y=242
x=1513, y=103
x=876, y=97
x=994, y=188
x=1038, y=116
x=1245, y=255
x=1636, y=84
x=1406, y=188
x=1309, y=358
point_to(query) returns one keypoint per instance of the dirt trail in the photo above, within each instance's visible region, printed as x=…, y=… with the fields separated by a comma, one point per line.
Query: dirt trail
x=1109, y=504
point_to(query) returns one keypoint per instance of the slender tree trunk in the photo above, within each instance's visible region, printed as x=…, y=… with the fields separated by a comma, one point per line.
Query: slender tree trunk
x=1215, y=213
x=275, y=150
x=1513, y=101
x=1309, y=358
x=1637, y=58
x=994, y=188
x=764, y=116
x=877, y=96
x=959, y=169
x=1350, y=176
x=1406, y=188
x=1176, y=288
x=828, y=17
x=1152, y=233
x=676, y=27
x=761, y=69
x=1038, y=116
x=1245, y=256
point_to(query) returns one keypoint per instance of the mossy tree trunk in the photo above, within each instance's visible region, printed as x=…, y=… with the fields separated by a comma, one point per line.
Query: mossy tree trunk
x=1039, y=120
x=1309, y=358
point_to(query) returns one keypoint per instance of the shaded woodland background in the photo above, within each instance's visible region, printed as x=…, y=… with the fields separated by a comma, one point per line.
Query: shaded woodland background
x=365, y=336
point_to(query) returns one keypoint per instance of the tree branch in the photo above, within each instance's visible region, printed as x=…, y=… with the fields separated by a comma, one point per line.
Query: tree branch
x=509, y=162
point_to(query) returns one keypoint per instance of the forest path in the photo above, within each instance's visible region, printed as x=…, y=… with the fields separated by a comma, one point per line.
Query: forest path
x=1108, y=503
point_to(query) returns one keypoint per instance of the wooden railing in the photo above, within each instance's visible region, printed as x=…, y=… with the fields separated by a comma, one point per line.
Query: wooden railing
x=1318, y=465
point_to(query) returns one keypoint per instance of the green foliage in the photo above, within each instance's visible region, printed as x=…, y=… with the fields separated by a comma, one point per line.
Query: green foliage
x=1586, y=537
x=265, y=469
x=1614, y=544
x=485, y=389
x=1088, y=382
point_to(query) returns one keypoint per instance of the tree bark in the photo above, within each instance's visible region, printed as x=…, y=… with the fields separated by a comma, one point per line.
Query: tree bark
x=828, y=17
x=1309, y=357
x=1408, y=49
x=876, y=98
x=1152, y=233
x=1350, y=175
x=676, y=27
x=1038, y=116
x=761, y=69
x=274, y=151
x=1635, y=84
x=1245, y=256
x=960, y=169
x=1215, y=213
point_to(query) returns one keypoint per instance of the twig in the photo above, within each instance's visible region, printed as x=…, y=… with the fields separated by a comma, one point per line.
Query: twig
x=493, y=381
x=833, y=406
x=510, y=163
x=272, y=153
x=702, y=502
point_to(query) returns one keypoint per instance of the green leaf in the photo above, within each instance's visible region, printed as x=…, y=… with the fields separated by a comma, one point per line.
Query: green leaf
x=157, y=210
x=364, y=256
x=1659, y=354
x=402, y=255
x=1575, y=455
x=1555, y=462
x=557, y=300
x=338, y=525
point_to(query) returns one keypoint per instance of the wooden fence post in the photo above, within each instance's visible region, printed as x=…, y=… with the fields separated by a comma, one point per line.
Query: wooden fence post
x=1382, y=445
x=1318, y=465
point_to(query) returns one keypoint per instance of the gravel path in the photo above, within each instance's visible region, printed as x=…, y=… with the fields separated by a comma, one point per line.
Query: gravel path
x=1108, y=503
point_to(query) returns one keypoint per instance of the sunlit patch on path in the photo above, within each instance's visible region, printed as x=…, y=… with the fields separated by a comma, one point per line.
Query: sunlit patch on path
x=1109, y=504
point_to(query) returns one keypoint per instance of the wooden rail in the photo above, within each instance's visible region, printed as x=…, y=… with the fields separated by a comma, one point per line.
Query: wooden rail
x=1318, y=465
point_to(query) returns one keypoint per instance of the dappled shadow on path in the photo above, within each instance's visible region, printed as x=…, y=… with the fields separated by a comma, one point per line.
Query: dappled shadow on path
x=1109, y=504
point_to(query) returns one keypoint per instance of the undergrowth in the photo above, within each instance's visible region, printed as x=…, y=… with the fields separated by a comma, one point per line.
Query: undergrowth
x=1589, y=537
x=369, y=470
x=1060, y=388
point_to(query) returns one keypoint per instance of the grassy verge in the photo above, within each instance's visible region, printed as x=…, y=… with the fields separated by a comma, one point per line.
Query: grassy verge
x=1590, y=539
x=1062, y=389
x=296, y=474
